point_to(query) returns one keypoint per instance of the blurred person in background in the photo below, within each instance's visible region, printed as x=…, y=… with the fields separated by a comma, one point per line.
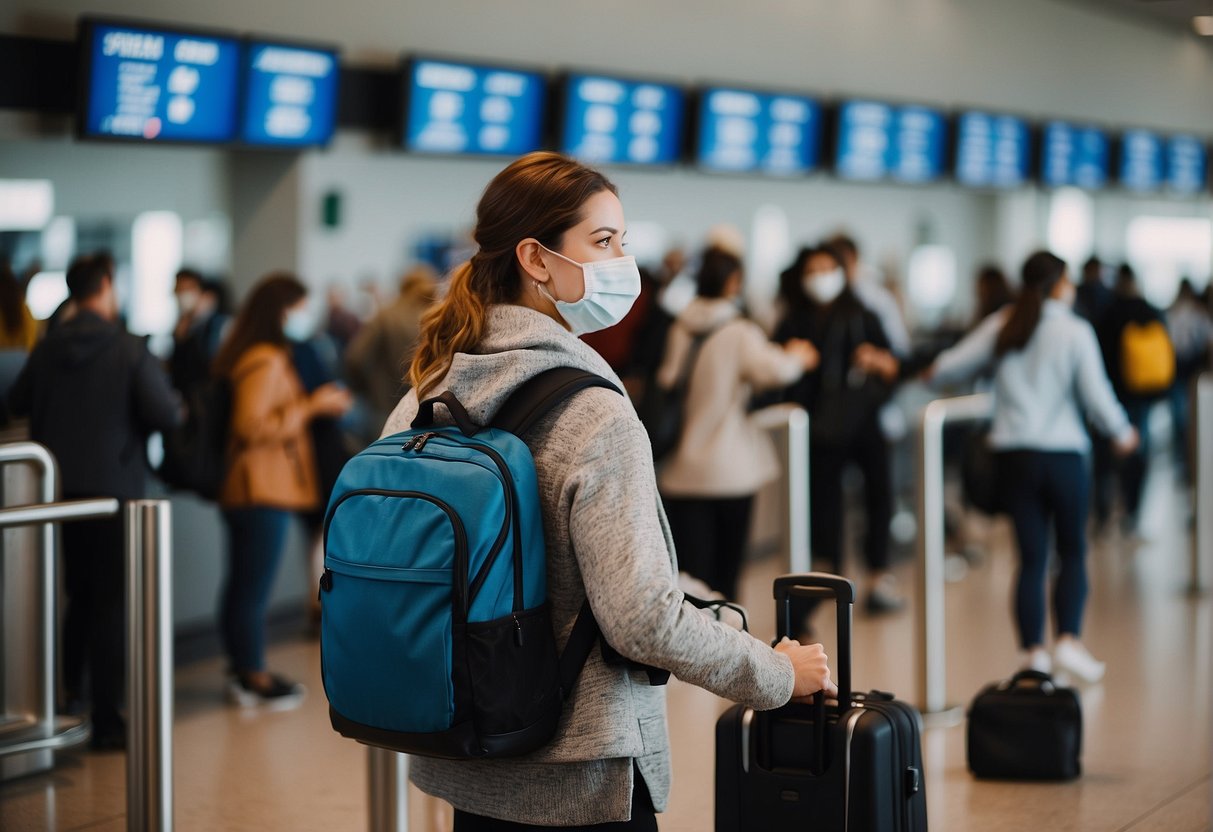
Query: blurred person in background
x=722, y=460
x=843, y=396
x=1140, y=361
x=1049, y=374
x=993, y=293
x=271, y=473
x=18, y=329
x=1093, y=295
x=867, y=286
x=341, y=322
x=378, y=358
x=198, y=331
x=93, y=394
x=1191, y=330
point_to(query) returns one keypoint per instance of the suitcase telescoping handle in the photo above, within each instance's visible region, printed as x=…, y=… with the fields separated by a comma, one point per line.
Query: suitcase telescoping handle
x=823, y=586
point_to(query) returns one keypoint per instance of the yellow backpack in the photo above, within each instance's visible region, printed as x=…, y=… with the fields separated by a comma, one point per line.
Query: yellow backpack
x=1147, y=358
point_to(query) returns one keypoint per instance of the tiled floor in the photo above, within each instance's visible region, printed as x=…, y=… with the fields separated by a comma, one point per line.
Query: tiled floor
x=1148, y=730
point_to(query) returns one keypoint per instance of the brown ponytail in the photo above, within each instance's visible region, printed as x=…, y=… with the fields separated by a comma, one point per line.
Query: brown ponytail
x=540, y=195
x=1041, y=272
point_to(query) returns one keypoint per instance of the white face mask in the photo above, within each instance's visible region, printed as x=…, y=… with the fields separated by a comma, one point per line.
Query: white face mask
x=298, y=325
x=187, y=302
x=826, y=287
x=611, y=287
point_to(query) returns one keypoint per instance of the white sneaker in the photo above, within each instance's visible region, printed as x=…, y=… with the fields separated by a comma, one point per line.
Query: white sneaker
x=282, y=694
x=1038, y=660
x=1071, y=656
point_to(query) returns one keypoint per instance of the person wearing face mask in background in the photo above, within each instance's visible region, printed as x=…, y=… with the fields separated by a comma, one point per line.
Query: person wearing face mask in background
x=843, y=397
x=550, y=267
x=271, y=473
x=198, y=332
x=1048, y=374
x=722, y=460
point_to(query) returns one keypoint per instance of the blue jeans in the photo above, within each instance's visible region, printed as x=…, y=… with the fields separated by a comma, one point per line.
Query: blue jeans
x=1039, y=487
x=255, y=541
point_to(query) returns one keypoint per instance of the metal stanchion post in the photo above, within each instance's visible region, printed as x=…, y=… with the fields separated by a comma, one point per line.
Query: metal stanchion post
x=149, y=754
x=799, y=546
x=388, y=790
x=1202, y=491
x=931, y=612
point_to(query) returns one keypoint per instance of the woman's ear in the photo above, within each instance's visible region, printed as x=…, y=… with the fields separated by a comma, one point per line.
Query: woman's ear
x=530, y=260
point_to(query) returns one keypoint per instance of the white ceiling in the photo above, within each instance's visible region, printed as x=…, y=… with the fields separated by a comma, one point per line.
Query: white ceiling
x=1169, y=13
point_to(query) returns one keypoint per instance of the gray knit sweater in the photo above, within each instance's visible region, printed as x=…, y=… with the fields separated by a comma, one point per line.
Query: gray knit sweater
x=607, y=538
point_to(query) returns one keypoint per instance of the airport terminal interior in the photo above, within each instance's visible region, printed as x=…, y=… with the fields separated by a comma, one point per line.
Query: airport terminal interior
x=185, y=185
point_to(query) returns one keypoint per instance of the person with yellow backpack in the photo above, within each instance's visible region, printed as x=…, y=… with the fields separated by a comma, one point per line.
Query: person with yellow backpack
x=1140, y=360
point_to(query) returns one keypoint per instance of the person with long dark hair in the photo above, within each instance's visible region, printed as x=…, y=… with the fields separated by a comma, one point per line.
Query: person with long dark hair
x=271, y=474
x=843, y=396
x=1048, y=374
x=550, y=266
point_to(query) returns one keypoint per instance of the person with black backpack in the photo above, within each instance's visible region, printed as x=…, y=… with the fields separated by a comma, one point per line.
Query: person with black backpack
x=550, y=267
x=715, y=359
x=1048, y=374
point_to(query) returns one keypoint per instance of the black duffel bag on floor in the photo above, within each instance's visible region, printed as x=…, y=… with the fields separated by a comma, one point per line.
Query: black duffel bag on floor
x=1025, y=728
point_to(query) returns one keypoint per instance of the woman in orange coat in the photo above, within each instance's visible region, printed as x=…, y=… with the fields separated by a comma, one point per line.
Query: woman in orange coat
x=271, y=473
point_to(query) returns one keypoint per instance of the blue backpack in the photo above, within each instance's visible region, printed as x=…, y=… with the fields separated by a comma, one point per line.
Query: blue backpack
x=436, y=637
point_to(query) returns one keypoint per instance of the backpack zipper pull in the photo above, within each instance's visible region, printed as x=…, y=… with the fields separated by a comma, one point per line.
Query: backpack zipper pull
x=517, y=631
x=421, y=440
x=326, y=583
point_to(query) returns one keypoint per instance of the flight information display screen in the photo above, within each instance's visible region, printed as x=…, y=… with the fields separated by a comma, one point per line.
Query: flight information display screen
x=150, y=84
x=1142, y=161
x=612, y=120
x=458, y=108
x=745, y=131
x=1187, y=165
x=992, y=151
x=1074, y=155
x=290, y=95
x=878, y=141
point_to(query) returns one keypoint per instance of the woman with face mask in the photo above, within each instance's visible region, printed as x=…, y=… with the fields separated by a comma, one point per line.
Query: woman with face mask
x=843, y=396
x=1048, y=374
x=722, y=460
x=550, y=266
x=271, y=474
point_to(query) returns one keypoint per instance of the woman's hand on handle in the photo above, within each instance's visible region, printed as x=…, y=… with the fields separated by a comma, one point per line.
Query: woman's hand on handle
x=811, y=666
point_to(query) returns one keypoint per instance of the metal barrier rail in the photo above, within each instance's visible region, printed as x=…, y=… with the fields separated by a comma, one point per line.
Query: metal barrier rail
x=1202, y=491
x=788, y=426
x=387, y=790
x=149, y=758
x=931, y=612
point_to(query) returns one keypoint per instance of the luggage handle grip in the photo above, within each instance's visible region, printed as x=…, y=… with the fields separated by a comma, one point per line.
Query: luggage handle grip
x=823, y=586
x=425, y=413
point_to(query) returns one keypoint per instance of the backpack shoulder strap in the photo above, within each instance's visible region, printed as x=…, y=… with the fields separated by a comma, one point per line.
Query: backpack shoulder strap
x=536, y=397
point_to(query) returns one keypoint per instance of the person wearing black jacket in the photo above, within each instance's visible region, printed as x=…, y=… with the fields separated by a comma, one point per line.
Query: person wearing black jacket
x=1127, y=307
x=93, y=393
x=843, y=397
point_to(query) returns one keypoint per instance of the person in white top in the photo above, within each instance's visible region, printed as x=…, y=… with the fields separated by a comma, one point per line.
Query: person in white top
x=722, y=459
x=1049, y=373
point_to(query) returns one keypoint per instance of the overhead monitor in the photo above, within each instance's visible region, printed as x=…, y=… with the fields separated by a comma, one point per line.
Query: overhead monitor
x=1074, y=155
x=880, y=141
x=1142, y=165
x=992, y=150
x=290, y=94
x=1187, y=165
x=615, y=120
x=151, y=83
x=746, y=131
x=464, y=108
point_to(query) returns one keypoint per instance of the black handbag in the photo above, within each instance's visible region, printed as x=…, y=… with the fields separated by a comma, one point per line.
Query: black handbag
x=663, y=411
x=1025, y=728
x=848, y=397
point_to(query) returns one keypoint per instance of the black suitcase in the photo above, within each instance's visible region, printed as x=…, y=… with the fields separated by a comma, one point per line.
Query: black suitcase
x=1026, y=728
x=853, y=766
